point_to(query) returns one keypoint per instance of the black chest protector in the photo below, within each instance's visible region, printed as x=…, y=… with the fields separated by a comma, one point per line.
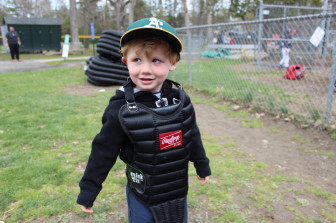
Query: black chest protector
x=158, y=173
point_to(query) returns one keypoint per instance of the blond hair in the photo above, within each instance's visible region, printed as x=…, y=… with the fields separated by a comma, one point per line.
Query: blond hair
x=149, y=44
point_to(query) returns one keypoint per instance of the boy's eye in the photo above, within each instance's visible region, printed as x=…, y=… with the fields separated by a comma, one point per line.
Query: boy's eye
x=156, y=60
x=137, y=60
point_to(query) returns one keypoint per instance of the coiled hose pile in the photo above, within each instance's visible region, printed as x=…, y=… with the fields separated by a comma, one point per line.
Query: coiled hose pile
x=106, y=68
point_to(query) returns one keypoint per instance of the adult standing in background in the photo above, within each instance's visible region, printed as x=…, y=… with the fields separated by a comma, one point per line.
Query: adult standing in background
x=13, y=42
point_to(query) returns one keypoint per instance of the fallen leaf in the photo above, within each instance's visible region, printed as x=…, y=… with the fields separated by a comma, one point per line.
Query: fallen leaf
x=236, y=107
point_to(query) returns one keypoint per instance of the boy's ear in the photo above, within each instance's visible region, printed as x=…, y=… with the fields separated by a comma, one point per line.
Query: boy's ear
x=173, y=66
x=124, y=60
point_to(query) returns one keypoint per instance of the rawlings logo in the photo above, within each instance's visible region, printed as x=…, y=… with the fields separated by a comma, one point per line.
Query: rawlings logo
x=170, y=139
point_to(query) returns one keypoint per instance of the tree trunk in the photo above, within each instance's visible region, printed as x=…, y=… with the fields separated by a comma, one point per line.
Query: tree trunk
x=201, y=11
x=75, y=45
x=131, y=12
x=209, y=22
x=86, y=23
x=73, y=21
x=186, y=14
x=118, y=14
x=119, y=7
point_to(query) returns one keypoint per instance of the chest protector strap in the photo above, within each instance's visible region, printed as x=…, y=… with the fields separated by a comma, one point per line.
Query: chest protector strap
x=158, y=173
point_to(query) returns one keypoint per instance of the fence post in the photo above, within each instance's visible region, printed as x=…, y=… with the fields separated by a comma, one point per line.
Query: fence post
x=325, y=27
x=260, y=34
x=284, y=23
x=189, y=54
x=331, y=88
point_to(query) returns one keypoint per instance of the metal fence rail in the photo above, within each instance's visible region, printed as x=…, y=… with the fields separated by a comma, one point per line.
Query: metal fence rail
x=246, y=70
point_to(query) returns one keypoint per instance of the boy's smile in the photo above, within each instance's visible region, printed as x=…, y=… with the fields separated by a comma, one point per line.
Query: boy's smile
x=148, y=70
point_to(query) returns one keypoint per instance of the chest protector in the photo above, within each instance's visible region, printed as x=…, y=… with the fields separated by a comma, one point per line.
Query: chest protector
x=158, y=173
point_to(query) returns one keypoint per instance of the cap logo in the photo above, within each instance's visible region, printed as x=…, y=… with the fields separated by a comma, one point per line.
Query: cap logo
x=154, y=22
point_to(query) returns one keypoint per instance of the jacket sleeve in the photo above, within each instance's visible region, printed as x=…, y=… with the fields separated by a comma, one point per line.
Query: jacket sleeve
x=104, y=152
x=198, y=156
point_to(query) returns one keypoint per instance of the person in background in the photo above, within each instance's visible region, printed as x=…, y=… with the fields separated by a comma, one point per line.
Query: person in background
x=227, y=38
x=287, y=44
x=220, y=37
x=13, y=42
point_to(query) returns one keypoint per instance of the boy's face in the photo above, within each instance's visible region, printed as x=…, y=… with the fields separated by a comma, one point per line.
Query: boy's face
x=148, y=72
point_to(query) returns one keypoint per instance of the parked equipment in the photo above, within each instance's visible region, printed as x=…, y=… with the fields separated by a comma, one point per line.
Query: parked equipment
x=106, y=68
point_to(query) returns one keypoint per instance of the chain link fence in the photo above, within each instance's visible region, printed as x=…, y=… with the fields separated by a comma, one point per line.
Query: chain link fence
x=240, y=62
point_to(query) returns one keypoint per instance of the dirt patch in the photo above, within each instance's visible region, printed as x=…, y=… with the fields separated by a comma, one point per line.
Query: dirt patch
x=279, y=150
x=291, y=151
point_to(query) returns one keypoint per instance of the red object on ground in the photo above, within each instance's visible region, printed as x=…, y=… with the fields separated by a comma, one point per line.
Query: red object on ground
x=295, y=72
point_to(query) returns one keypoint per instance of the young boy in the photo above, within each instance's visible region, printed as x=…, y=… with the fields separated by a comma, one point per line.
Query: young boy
x=151, y=126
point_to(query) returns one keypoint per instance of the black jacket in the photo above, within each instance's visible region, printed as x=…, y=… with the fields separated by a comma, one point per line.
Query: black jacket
x=112, y=141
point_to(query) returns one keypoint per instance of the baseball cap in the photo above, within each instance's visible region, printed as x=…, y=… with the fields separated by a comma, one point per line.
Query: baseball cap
x=152, y=26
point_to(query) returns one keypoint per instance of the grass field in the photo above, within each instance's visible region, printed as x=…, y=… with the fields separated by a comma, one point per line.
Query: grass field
x=44, y=134
x=45, y=137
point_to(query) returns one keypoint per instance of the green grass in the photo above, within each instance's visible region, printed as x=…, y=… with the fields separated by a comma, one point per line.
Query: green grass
x=275, y=129
x=45, y=138
x=299, y=139
x=46, y=133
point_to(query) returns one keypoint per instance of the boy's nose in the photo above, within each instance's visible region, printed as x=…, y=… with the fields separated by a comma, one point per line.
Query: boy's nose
x=145, y=68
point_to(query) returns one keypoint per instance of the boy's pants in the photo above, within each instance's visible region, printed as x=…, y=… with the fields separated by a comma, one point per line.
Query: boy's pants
x=285, y=57
x=138, y=212
x=14, y=51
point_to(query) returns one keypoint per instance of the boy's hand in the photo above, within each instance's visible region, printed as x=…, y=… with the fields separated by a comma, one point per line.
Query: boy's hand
x=205, y=179
x=86, y=209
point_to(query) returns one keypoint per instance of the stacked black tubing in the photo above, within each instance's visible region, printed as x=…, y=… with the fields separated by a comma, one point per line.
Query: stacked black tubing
x=103, y=71
x=106, y=68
